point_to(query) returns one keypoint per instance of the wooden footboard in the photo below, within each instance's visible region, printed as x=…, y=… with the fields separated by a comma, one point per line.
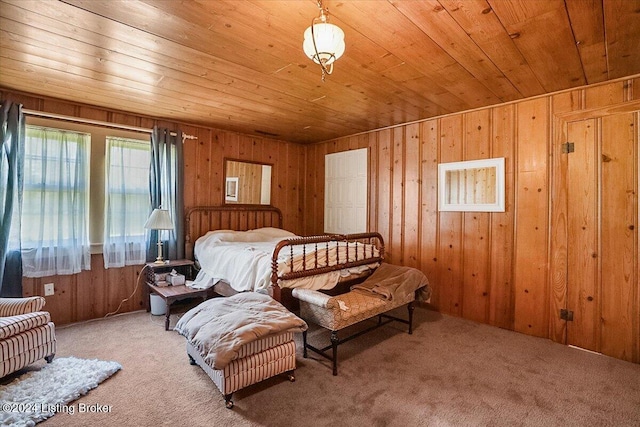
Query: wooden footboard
x=348, y=251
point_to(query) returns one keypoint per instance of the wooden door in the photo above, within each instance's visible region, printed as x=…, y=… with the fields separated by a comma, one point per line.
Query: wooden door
x=582, y=229
x=602, y=213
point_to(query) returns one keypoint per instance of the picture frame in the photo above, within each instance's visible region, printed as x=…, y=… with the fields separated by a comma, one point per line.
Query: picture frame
x=472, y=186
x=231, y=189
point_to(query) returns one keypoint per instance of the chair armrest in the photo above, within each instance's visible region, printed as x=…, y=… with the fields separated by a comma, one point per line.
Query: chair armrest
x=14, y=325
x=15, y=306
x=314, y=297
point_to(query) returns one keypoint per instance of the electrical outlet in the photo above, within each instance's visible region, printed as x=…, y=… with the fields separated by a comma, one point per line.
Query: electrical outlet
x=49, y=289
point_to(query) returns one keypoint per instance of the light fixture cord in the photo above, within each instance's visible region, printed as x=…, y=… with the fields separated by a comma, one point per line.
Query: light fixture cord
x=323, y=18
x=322, y=66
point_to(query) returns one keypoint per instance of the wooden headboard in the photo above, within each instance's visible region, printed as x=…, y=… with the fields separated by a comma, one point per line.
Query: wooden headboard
x=201, y=219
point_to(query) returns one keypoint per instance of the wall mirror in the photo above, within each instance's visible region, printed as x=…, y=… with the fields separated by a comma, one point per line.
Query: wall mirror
x=472, y=186
x=247, y=183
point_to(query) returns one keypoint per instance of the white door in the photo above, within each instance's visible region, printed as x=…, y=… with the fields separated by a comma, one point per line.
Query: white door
x=345, y=192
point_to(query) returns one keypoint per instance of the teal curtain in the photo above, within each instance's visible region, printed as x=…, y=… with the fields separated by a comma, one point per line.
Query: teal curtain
x=12, y=132
x=166, y=185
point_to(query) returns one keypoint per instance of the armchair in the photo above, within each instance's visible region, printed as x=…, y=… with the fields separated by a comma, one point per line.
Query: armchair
x=26, y=333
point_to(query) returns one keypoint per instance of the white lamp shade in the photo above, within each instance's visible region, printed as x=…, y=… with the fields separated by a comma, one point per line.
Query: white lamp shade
x=159, y=220
x=329, y=43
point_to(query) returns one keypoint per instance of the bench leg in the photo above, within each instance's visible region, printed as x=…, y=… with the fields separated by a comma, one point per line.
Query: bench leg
x=410, y=307
x=334, y=346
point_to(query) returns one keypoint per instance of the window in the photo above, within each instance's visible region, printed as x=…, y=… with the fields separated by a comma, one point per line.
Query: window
x=55, y=233
x=101, y=194
x=127, y=201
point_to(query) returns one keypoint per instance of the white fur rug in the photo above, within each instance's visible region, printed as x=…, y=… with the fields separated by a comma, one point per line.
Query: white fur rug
x=38, y=395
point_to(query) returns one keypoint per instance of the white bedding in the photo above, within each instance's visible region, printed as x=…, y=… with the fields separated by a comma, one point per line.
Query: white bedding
x=243, y=260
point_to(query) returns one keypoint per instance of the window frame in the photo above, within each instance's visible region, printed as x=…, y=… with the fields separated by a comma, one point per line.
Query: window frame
x=97, y=167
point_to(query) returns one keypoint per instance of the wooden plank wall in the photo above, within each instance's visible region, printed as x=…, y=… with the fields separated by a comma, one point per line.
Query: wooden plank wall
x=492, y=268
x=92, y=294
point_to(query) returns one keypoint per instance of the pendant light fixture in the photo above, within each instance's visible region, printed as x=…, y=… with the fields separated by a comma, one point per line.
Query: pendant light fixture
x=323, y=42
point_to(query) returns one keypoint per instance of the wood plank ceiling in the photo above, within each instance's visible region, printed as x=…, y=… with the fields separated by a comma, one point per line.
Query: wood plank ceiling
x=239, y=65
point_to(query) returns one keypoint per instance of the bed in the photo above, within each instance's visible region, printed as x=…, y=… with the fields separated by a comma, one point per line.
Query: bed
x=244, y=248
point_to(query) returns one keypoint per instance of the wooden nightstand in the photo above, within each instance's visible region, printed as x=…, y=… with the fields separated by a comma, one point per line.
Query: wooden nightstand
x=171, y=294
x=182, y=266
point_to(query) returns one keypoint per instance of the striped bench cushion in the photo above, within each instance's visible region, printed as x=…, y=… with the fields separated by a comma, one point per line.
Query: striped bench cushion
x=13, y=325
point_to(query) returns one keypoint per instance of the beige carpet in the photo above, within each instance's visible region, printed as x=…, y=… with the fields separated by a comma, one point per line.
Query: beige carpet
x=451, y=372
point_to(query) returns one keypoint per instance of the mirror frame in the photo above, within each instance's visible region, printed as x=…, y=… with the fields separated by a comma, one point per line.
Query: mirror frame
x=225, y=179
x=497, y=206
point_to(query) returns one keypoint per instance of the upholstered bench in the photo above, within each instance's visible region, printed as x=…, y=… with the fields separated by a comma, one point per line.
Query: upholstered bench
x=241, y=340
x=386, y=289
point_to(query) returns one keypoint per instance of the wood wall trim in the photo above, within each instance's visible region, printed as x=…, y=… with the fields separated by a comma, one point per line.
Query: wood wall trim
x=629, y=85
x=592, y=113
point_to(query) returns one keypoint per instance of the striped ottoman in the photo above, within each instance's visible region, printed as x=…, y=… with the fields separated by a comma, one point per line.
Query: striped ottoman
x=257, y=361
x=241, y=340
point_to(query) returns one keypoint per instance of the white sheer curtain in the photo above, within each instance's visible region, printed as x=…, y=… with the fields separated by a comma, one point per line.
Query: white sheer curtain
x=55, y=207
x=127, y=202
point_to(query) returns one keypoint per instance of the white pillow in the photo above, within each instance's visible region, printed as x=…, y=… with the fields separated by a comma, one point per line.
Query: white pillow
x=219, y=236
x=270, y=233
x=258, y=235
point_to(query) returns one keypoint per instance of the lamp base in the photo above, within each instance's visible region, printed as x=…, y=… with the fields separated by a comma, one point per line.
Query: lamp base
x=159, y=259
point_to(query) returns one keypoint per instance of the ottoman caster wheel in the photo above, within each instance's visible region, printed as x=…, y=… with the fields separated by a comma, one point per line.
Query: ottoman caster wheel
x=228, y=403
x=292, y=378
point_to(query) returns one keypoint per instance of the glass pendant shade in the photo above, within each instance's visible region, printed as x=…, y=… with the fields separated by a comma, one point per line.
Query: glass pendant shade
x=329, y=43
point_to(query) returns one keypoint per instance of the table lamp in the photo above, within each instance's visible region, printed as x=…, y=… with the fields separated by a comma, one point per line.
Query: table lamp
x=159, y=220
